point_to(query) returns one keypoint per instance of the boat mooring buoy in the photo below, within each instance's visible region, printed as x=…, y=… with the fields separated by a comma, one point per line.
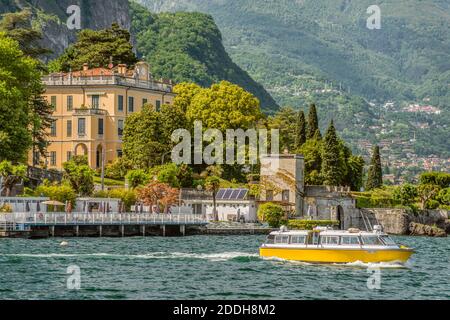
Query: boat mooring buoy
x=64, y=244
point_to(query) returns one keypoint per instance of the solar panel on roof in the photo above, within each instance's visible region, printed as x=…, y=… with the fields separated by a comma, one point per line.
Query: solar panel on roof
x=235, y=193
x=227, y=194
x=242, y=194
x=220, y=193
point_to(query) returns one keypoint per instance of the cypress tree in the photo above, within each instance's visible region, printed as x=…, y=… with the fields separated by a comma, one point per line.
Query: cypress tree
x=331, y=166
x=300, y=137
x=313, y=122
x=375, y=174
x=317, y=135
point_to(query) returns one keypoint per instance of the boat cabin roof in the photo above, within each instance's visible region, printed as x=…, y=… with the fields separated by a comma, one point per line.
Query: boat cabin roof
x=327, y=232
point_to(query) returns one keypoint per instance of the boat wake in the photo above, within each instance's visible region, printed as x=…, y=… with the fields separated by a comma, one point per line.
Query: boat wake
x=223, y=256
x=356, y=264
x=381, y=265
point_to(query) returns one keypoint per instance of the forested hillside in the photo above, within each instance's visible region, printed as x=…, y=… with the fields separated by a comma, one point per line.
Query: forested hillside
x=308, y=50
x=188, y=47
x=407, y=58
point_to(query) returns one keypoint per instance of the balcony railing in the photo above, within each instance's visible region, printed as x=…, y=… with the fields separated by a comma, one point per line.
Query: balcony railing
x=89, y=112
x=64, y=80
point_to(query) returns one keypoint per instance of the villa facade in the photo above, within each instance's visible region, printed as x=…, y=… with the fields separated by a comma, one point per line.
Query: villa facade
x=90, y=109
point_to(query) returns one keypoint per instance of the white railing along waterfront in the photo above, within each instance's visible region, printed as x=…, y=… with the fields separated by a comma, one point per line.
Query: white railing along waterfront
x=60, y=218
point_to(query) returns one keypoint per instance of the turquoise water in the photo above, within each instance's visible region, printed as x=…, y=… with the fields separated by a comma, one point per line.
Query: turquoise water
x=207, y=267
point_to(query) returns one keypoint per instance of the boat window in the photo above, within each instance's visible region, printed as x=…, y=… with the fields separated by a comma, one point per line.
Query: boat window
x=281, y=239
x=270, y=239
x=388, y=241
x=298, y=239
x=371, y=240
x=349, y=240
x=330, y=240
x=315, y=238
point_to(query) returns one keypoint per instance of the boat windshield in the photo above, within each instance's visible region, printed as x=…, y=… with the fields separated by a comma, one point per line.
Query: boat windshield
x=270, y=239
x=371, y=240
x=388, y=241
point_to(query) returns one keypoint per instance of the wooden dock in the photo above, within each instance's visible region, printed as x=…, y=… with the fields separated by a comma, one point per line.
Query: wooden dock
x=42, y=225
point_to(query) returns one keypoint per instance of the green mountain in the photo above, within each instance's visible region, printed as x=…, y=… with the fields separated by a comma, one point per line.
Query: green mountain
x=303, y=50
x=284, y=42
x=188, y=47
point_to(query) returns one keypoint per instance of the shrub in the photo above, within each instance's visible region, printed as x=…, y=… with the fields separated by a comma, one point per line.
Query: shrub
x=128, y=197
x=444, y=196
x=271, y=213
x=310, y=224
x=60, y=193
x=405, y=194
x=377, y=198
x=442, y=179
x=118, y=169
x=6, y=208
x=168, y=174
x=80, y=176
x=432, y=204
x=137, y=178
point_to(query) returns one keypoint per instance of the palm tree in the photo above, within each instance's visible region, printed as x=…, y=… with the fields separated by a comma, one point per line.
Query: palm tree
x=212, y=184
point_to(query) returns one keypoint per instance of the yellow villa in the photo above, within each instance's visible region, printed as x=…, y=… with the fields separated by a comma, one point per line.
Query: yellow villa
x=91, y=106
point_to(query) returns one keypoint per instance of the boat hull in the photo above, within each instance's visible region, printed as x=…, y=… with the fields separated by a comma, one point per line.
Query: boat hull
x=322, y=255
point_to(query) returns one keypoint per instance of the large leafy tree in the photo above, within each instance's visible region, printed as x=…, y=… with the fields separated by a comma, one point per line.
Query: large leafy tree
x=172, y=117
x=97, y=48
x=375, y=174
x=185, y=92
x=18, y=26
x=143, y=141
x=224, y=106
x=313, y=122
x=331, y=164
x=19, y=78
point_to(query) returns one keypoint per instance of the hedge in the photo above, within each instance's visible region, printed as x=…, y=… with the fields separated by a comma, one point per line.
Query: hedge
x=310, y=224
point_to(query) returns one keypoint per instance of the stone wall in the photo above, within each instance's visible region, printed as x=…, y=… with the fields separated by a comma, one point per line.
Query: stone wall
x=397, y=221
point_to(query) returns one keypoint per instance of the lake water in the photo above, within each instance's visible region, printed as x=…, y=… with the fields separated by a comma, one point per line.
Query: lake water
x=207, y=267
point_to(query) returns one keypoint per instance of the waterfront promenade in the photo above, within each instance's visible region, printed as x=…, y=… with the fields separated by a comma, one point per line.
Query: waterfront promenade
x=40, y=225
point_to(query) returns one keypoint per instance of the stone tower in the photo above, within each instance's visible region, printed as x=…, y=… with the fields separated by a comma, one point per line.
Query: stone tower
x=282, y=181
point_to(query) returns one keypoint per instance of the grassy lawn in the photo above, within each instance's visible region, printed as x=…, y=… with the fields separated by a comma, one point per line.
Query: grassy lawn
x=109, y=182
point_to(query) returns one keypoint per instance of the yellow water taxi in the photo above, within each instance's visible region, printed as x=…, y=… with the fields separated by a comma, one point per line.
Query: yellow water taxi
x=323, y=245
